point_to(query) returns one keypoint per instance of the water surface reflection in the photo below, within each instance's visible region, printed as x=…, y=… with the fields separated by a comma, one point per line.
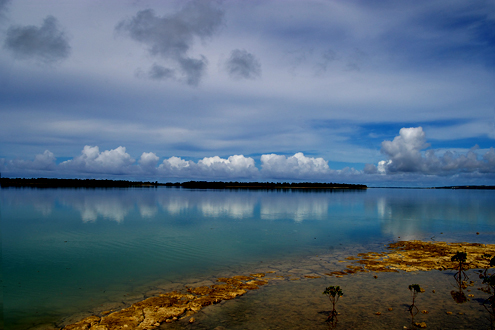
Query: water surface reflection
x=117, y=204
x=64, y=250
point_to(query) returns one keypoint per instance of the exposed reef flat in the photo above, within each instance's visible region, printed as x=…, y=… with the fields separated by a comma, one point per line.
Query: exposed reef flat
x=414, y=255
x=175, y=306
x=168, y=307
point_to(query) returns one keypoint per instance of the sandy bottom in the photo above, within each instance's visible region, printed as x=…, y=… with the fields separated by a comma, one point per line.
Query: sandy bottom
x=293, y=299
x=301, y=305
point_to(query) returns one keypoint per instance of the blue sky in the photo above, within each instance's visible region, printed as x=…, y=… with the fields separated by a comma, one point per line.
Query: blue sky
x=384, y=93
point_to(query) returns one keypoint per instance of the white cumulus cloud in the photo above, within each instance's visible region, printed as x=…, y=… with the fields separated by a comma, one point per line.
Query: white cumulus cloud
x=294, y=167
x=91, y=160
x=407, y=154
x=236, y=166
x=409, y=159
x=405, y=150
x=148, y=160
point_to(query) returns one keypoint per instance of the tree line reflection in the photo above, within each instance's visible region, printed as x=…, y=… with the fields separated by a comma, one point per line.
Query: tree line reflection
x=399, y=213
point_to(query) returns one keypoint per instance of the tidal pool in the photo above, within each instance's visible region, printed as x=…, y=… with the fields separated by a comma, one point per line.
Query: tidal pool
x=69, y=253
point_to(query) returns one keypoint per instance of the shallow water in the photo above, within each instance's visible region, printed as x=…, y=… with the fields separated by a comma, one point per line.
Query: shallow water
x=301, y=305
x=292, y=301
x=67, y=253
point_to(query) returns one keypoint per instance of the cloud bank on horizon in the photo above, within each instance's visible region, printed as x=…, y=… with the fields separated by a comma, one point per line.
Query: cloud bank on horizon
x=405, y=153
x=206, y=89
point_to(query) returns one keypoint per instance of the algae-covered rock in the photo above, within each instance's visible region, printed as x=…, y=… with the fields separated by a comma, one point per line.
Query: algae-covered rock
x=84, y=324
x=202, y=290
x=424, y=256
x=244, y=278
x=128, y=318
x=153, y=317
x=168, y=307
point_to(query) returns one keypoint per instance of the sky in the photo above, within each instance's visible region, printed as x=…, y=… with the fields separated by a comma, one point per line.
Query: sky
x=384, y=93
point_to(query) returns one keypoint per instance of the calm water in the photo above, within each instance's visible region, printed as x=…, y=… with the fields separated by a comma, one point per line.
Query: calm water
x=69, y=250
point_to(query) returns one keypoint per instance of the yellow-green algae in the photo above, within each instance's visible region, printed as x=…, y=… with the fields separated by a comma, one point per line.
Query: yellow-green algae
x=402, y=255
x=423, y=256
x=168, y=307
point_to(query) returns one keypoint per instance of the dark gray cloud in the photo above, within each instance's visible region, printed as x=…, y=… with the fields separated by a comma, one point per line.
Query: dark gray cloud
x=3, y=6
x=243, y=65
x=193, y=69
x=159, y=72
x=47, y=43
x=327, y=57
x=171, y=37
x=356, y=60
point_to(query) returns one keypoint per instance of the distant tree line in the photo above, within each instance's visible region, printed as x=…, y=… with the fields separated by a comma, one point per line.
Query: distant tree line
x=269, y=185
x=468, y=187
x=105, y=183
x=95, y=183
x=72, y=183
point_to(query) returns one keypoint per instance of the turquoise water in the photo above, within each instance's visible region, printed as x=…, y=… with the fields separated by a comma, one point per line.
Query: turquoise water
x=69, y=250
